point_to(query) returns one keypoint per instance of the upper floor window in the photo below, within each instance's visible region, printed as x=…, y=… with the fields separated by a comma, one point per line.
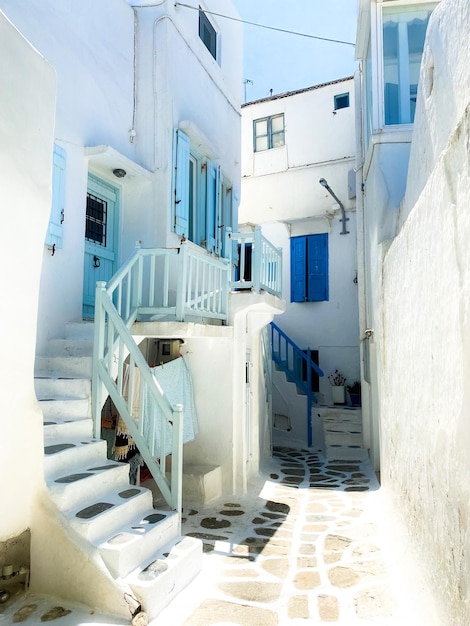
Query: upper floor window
x=268, y=132
x=207, y=33
x=404, y=32
x=341, y=101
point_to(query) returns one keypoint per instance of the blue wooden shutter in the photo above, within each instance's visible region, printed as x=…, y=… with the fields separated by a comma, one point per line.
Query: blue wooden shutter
x=212, y=206
x=298, y=269
x=317, y=267
x=181, y=147
x=55, y=229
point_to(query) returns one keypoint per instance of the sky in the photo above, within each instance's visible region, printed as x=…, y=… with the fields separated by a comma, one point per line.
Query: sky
x=284, y=62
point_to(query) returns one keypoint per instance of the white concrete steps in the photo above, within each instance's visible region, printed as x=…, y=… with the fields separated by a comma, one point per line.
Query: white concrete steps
x=139, y=545
x=72, y=489
x=144, y=535
x=159, y=580
x=342, y=428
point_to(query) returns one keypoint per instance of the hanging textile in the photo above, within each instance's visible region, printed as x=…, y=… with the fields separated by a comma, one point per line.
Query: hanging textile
x=175, y=380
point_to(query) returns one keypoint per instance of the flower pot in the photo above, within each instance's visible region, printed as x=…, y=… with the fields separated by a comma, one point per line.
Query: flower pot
x=355, y=399
x=338, y=395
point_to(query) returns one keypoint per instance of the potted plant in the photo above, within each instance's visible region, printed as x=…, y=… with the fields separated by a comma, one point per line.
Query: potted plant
x=354, y=391
x=337, y=382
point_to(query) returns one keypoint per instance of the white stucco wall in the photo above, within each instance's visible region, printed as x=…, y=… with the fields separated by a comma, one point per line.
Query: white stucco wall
x=27, y=105
x=425, y=401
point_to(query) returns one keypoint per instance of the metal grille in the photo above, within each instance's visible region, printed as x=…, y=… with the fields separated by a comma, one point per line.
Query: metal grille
x=96, y=220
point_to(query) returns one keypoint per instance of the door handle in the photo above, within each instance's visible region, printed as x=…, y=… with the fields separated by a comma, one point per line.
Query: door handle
x=96, y=261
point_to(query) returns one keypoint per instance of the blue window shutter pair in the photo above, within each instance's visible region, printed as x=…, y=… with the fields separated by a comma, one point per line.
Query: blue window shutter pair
x=181, y=148
x=54, y=234
x=309, y=268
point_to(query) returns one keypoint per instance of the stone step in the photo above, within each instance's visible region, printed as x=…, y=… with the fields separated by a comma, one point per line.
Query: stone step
x=104, y=516
x=63, y=366
x=71, y=489
x=343, y=439
x=61, y=456
x=70, y=347
x=342, y=427
x=80, y=330
x=169, y=571
x=133, y=544
x=346, y=453
x=202, y=482
x=63, y=429
x=62, y=388
x=69, y=408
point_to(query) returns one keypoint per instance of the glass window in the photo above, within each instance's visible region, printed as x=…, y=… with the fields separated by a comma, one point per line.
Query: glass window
x=268, y=132
x=207, y=33
x=404, y=32
x=341, y=101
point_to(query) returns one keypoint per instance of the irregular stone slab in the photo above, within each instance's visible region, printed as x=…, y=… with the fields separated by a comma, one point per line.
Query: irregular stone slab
x=328, y=608
x=232, y=513
x=207, y=536
x=304, y=562
x=214, y=522
x=343, y=577
x=276, y=567
x=336, y=542
x=55, y=613
x=220, y=611
x=232, y=504
x=253, y=591
x=128, y=493
x=22, y=614
x=242, y=573
x=58, y=447
x=307, y=580
x=94, y=510
x=72, y=478
x=277, y=507
x=153, y=570
x=294, y=471
x=307, y=548
x=298, y=607
x=357, y=488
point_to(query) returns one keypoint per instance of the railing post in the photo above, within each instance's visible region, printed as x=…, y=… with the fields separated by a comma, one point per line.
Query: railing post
x=98, y=353
x=181, y=285
x=309, y=398
x=177, y=462
x=257, y=259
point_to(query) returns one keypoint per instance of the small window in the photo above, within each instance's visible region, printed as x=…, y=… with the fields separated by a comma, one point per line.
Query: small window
x=96, y=220
x=268, y=132
x=342, y=101
x=207, y=33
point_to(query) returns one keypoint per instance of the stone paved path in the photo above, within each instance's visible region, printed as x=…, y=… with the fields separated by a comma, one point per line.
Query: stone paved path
x=306, y=550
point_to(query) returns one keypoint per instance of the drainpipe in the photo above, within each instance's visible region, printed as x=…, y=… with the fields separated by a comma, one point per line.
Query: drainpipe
x=343, y=219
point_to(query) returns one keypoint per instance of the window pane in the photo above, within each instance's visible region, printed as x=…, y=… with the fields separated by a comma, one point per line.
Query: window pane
x=207, y=33
x=278, y=140
x=404, y=31
x=261, y=143
x=261, y=127
x=277, y=123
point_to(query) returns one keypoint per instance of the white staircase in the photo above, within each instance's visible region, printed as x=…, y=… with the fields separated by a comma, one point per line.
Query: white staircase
x=342, y=428
x=140, y=547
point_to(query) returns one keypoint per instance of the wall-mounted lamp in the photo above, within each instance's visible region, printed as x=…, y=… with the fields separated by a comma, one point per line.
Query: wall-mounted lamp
x=119, y=173
x=343, y=219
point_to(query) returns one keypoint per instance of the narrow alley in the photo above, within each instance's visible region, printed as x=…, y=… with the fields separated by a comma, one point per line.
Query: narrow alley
x=310, y=549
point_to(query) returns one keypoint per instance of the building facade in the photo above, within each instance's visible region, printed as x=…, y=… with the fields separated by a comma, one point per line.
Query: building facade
x=291, y=144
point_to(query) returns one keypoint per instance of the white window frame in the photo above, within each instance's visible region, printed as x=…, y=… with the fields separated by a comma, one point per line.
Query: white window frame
x=378, y=83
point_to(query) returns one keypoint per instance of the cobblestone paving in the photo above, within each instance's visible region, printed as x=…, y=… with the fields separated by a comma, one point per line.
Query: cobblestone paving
x=304, y=551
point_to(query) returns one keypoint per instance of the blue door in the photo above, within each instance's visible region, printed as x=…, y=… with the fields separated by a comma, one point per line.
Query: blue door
x=100, y=239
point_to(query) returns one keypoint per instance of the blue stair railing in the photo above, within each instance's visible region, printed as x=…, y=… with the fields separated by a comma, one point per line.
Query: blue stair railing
x=294, y=362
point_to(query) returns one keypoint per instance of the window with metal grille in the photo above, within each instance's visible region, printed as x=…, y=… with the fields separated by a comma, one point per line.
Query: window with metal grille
x=207, y=33
x=96, y=219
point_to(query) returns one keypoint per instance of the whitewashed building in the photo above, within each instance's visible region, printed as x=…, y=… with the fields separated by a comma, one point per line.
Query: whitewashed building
x=126, y=121
x=291, y=142
x=413, y=165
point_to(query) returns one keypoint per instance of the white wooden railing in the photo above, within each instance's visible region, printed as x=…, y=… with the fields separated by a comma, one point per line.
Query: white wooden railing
x=256, y=263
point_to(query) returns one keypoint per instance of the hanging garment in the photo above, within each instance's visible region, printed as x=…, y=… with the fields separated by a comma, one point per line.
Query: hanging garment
x=175, y=380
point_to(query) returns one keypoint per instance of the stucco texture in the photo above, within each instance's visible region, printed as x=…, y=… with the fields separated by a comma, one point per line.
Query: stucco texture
x=425, y=396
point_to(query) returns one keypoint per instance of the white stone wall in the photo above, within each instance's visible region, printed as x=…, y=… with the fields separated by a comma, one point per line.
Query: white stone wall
x=27, y=94
x=425, y=395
